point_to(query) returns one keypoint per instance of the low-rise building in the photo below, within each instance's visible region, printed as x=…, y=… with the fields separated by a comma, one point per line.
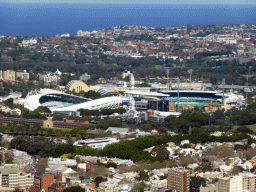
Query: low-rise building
x=85, y=77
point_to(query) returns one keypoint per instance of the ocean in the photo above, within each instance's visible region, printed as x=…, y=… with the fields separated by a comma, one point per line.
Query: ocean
x=53, y=19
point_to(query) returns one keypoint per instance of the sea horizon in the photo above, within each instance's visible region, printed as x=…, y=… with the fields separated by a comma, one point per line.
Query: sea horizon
x=27, y=19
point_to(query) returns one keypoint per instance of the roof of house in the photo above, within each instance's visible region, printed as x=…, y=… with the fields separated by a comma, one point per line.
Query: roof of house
x=117, y=130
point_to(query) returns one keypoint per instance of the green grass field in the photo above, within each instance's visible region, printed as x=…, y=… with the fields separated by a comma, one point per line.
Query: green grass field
x=62, y=129
x=252, y=127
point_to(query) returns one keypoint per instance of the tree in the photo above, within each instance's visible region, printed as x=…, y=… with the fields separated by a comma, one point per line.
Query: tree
x=220, y=151
x=184, y=161
x=42, y=109
x=9, y=161
x=100, y=171
x=37, y=128
x=139, y=187
x=26, y=129
x=41, y=165
x=249, y=154
x=74, y=189
x=1, y=159
x=162, y=130
x=236, y=170
x=111, y=164
x=63, y=149
x=196, y=182
x=85, y=150
x=243, y=129
x=219, y=114
x=143, y=176
x=98, y=180
x=160, y=150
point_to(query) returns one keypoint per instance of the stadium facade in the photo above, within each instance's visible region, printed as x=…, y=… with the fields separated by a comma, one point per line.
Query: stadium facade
x=60, y=101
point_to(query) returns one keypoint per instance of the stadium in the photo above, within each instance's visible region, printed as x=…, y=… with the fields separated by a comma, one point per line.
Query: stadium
x=60, y=101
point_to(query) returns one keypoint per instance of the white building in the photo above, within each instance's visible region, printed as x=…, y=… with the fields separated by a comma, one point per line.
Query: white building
x=98, y=143
x=65, y=35
x=81, y=33
x=23, y=75
x=31, y=41
x=231, y=184
x=85, y=77
x=11, y=176
x=49, y=78
x=60, y=101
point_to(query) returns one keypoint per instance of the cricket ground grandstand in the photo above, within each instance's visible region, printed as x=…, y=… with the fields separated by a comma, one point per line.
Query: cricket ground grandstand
x=60, y=101
x=198, y=98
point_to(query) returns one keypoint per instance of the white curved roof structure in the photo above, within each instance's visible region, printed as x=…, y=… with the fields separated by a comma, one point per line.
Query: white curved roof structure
x=60, y=101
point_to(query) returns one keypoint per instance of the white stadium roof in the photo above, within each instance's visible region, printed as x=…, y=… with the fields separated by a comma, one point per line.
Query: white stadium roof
x=32, y=101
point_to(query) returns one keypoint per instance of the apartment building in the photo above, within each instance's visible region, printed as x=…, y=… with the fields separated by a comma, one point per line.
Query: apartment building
x=8, y=75
x=178, y=180
x=23, y=75
x=44, y=182
x=12, y=176
x=249, y=181
x=49, y=78
x=230, y=184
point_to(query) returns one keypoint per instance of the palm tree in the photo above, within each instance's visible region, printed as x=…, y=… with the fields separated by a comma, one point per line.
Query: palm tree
x=26, y=129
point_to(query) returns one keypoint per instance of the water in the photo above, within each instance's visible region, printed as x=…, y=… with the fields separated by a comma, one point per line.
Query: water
x=52, y=19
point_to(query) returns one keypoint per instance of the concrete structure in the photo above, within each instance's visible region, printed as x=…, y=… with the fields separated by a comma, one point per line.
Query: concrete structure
x=31, y=41
x=98, y=143
x=60, y=101
x=69, y=173
x=114, y=130
x=77, y=86
x=11, y=176
x=85, y=77
x=22, y=75
x=7, y=75
x=49, y=78
x=44, y=182
x=81, y=33
x=198, y=98
x=210, y=188
x=230, y=184
x=250, y=163
x=7, y=189
x=178, y=179
x=249, y=181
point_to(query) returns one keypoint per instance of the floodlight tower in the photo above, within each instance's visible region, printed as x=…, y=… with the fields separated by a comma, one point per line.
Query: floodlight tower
x=168, y=83
x=178, y=94
x=190, y=73
x=246, y=90
x=223, y=97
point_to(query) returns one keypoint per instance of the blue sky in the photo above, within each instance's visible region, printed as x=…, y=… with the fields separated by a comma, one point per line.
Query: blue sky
x=252, y=2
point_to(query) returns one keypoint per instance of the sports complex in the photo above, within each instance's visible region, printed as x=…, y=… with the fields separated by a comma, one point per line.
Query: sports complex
x=60, y=101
